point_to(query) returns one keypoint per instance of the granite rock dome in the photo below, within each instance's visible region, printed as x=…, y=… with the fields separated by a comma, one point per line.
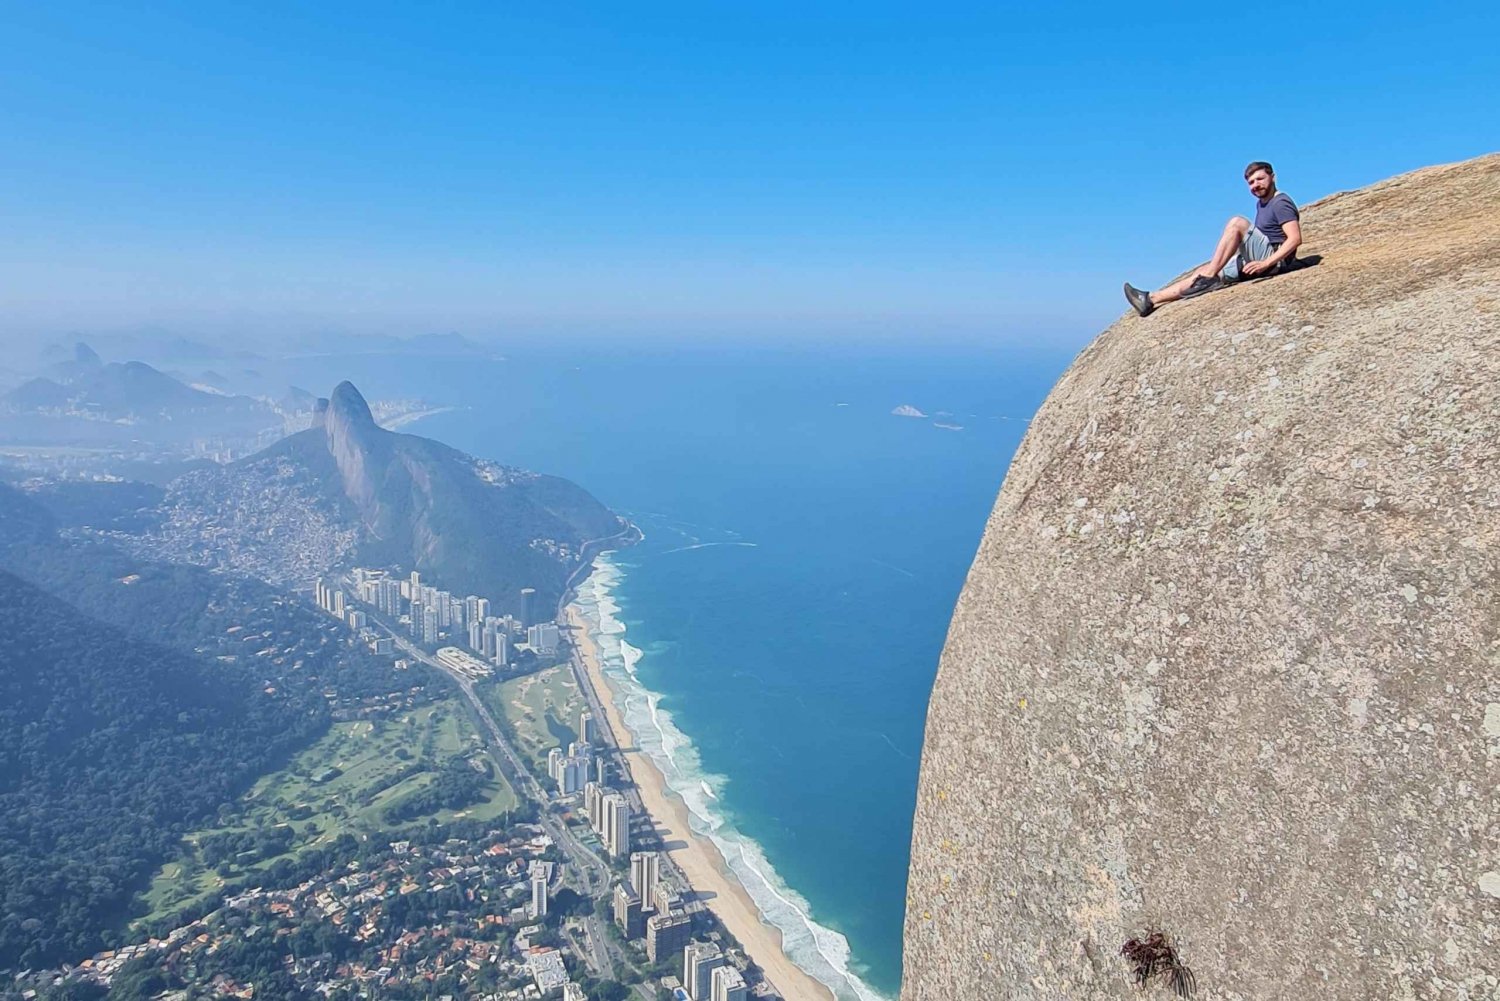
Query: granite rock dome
x=1227, y=663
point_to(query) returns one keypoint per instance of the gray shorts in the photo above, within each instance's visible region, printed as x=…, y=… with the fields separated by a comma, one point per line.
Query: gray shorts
x=1256, y=246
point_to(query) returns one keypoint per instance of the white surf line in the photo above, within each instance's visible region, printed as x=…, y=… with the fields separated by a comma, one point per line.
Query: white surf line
x=892, y=566
x=678, y=759
x=706, y=545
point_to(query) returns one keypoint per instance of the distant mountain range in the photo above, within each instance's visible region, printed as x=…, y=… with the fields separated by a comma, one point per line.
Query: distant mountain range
x=137, y=409
x=130, y=390
x=168, y=350
x=347, y=491
x=85, y=400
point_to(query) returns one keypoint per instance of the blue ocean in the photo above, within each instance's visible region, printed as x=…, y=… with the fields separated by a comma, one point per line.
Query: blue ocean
x=782, y=620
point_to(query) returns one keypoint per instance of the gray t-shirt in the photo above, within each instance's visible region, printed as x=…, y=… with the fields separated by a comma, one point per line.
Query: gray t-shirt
x=1271, y=215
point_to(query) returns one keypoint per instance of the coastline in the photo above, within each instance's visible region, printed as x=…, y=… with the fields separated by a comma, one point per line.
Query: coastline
x=402, y=420
x=695, y=855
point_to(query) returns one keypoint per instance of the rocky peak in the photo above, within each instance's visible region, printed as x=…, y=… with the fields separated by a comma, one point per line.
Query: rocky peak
x=352, y=437
x=1225, y=664
x=86, y=356
x=348, y=407
x=347, y=489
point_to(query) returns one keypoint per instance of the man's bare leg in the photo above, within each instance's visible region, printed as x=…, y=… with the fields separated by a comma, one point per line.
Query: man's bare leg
x=1229, y=245
x=1173, y=292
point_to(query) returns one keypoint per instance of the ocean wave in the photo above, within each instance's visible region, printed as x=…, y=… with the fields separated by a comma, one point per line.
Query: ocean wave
x=710, y=545
x=821, y=951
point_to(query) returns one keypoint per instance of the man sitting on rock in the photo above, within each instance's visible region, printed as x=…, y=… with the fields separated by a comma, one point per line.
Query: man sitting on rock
x=1245, y=251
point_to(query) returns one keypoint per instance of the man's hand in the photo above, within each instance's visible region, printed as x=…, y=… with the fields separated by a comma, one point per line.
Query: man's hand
x=1293, y=230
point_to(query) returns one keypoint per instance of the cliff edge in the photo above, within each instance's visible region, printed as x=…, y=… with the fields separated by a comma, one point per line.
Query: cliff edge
x=1227, y=663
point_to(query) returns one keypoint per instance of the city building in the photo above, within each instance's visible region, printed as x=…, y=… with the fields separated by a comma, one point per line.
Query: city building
x=699, y=960
x=476, y=609
x=728, y=984
x=593, y=796
x=455, y=659
x=528, y=606
x=572, y=992
x=429, y=624
x=667, y=935
x=587, y=732
x=547, y=970
x=615, y=832
x=628, y=913
x=578, y=768
x=538, y=908
x=571, y=770
x=601, y=770
x=544, y=638
x=496, y=641
x=645, y=871
x=476, y=638
x=388, y=596
x=666, y=897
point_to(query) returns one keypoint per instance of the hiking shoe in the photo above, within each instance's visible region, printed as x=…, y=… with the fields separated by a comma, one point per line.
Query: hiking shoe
x=1140, y=301
x=1201, y=285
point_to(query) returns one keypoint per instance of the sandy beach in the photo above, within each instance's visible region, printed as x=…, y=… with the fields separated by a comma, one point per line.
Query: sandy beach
x=698, y=857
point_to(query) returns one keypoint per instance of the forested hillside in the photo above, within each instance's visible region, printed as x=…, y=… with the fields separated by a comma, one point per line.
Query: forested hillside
x=109, y=747
x=189, y=608
x=135, y=699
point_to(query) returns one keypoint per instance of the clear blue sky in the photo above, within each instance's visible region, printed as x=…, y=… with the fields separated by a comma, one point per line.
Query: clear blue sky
x=756, y=169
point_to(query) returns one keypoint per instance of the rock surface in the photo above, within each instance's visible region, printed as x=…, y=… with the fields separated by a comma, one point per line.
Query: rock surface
x=1227, y=663
x=474, y=526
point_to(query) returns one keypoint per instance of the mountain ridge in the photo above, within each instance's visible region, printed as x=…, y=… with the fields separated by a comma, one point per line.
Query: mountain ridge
x=353, y=492
x=122, y=390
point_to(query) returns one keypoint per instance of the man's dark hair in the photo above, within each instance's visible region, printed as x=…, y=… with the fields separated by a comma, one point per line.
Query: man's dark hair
x=1260, y=165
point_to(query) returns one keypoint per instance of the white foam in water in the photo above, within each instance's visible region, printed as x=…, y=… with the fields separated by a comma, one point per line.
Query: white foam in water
x=821, y=951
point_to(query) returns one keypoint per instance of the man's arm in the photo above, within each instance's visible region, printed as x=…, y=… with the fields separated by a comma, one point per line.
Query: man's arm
x=1293, y=230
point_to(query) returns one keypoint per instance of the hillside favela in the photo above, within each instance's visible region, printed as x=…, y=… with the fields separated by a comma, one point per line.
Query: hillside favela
x=687, y=504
